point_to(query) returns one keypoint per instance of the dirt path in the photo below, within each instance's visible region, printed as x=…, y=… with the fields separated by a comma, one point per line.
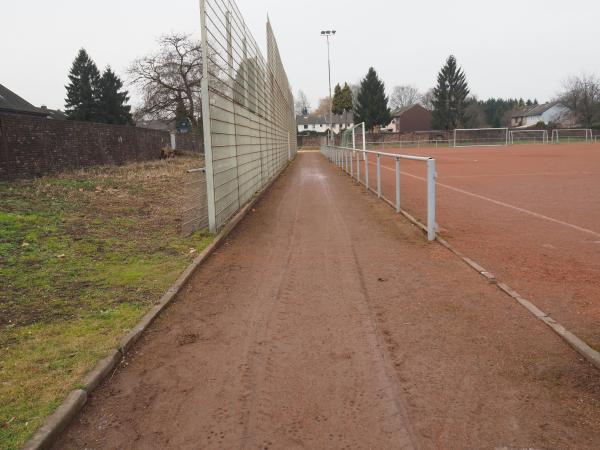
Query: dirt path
x=328, y=322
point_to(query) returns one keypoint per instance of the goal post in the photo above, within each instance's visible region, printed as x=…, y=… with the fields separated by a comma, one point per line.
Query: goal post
x=528, y=137
x=480, y=137
x=568, y=135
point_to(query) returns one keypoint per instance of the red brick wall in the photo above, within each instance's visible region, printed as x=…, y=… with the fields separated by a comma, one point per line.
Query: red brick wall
x=31, y=146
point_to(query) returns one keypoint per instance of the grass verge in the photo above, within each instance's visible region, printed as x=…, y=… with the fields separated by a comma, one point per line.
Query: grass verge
x=83, y=256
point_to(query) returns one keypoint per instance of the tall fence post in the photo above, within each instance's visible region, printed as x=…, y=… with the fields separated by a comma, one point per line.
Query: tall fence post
x=431, y=175
x=397, y=184
x=208, y=152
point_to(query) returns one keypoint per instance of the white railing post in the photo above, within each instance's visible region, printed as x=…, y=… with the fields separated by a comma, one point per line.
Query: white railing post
x=378, y=175
x=358, y=167
x=352, y=164
x=397, y=184
x=367, y=171
x=431, y=175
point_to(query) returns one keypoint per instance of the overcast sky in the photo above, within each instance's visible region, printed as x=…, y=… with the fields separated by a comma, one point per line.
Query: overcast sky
x=513, y=48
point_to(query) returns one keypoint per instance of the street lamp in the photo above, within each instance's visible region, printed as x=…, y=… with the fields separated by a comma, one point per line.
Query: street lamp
x=327, y=34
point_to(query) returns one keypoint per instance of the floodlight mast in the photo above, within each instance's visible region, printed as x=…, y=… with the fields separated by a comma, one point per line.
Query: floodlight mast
x=327, y=34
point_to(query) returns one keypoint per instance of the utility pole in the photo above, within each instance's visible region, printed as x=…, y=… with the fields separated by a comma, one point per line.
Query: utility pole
x=327, y=34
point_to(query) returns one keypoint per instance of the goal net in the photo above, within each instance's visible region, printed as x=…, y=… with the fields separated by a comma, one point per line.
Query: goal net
x=567, y=135
x=347, y=138
x=480, y=137
x=528, y=136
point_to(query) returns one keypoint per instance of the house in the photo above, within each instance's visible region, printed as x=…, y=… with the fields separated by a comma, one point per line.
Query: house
x=320, y=123
x=12, y=103
x=409, y=119
x=157, y=124
x=554, y=112
x=56, y=114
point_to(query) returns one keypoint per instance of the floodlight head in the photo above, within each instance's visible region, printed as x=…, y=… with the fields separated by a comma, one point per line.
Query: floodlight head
x=322, y=32
x=333, y=32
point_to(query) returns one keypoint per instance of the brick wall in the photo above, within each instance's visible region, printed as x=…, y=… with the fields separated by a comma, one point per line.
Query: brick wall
x=31, y=146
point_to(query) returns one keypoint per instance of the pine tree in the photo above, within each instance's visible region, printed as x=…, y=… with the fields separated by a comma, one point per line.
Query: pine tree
x=346, y=99
x=112, y=100
x=82, y=90
x=372, y=103
x=336, y=106
x=450, y=97
x=342, y=99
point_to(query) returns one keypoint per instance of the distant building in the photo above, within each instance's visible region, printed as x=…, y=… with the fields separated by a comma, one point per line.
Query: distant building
x=12, y=103
x=56, y=114
x=320, y=123
x=157, y=124
x=554, y=112
x=410, y=118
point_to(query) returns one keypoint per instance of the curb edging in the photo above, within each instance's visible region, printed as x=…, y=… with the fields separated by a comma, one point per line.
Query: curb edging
x=57, y=422
x=54, y=424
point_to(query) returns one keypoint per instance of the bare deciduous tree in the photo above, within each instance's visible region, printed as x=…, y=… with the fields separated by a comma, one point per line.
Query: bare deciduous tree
x=582, y=94
x=426, y=100
x=169, y=79
x=324, y=107
x=403, y=96
x=302, y=105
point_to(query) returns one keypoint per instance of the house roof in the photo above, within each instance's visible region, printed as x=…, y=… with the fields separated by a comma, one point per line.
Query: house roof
x=12, y=103
x=54, y=113
x=311, y=119
x=398, y=112
x=538, y=110
x=157, y=124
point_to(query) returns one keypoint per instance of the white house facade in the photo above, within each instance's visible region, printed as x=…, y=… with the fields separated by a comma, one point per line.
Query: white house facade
x=554, y=112
x=320, y=123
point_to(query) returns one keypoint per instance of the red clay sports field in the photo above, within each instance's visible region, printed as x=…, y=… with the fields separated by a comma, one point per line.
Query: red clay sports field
x=530, y=214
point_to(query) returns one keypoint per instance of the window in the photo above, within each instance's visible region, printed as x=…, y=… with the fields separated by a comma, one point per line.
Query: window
x=306, y=127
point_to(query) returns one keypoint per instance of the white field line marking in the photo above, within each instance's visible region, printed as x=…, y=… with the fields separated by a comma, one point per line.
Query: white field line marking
x=506, y=205
x=534, y=174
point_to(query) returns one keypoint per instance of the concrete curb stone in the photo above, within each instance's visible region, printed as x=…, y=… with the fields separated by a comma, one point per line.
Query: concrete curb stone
x=58, y=421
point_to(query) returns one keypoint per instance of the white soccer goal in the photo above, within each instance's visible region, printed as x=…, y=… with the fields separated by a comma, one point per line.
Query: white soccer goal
x=528, y=136
x=568, y=135
x=480, y=137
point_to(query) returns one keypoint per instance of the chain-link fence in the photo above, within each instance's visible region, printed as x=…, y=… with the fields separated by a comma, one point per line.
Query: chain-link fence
x=248, y=111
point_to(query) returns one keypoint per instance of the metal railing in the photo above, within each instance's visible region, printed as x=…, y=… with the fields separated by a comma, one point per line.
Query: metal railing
x=351, y=159
x=247, y=111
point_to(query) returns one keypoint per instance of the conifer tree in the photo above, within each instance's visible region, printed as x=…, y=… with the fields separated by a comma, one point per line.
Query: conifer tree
x=342, y=99
x=112, y=100
x=83, y=89
x=372, y=103
x=450, y=97
x=336, y=106
x=346, y=98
